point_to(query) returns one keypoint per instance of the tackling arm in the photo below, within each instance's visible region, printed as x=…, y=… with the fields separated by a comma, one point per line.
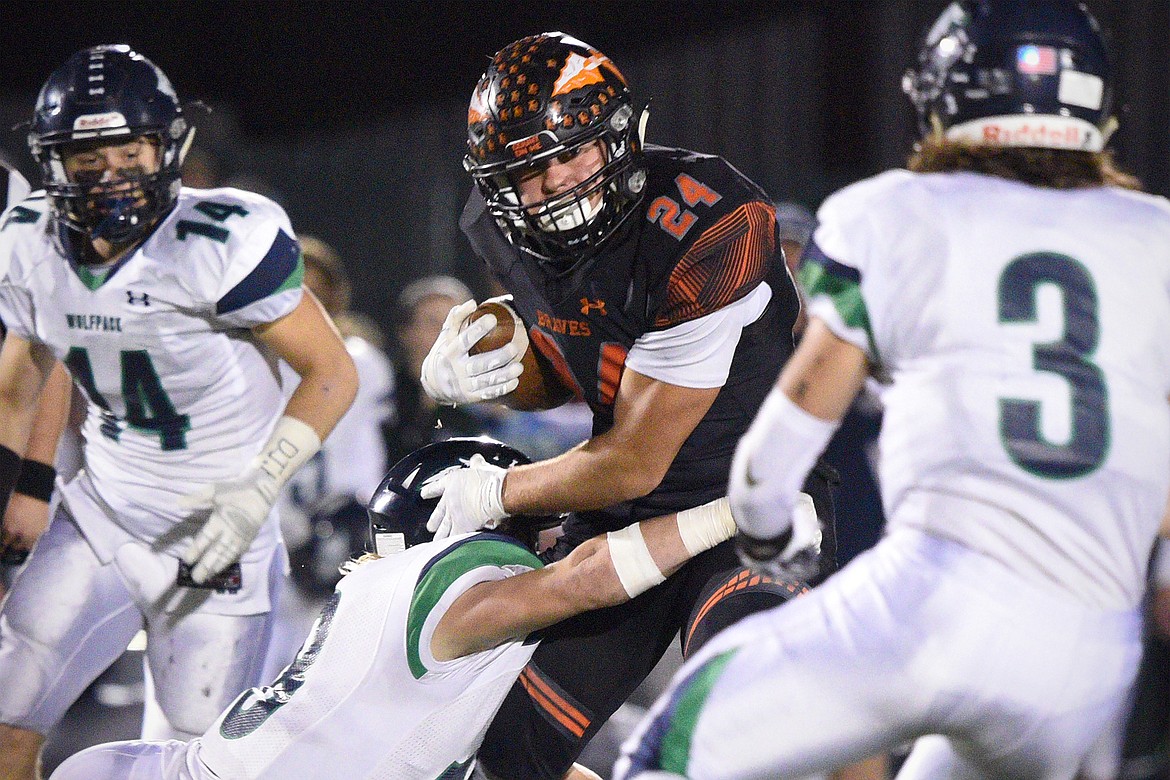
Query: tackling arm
x=602, y=572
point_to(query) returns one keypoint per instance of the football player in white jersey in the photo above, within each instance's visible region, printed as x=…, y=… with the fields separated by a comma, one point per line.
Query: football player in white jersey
x=26, y=515
x=170, y=308
x=415, y=651
x=1016, y=293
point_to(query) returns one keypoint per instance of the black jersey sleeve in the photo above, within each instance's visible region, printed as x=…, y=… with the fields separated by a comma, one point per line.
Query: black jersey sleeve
x=726, y=262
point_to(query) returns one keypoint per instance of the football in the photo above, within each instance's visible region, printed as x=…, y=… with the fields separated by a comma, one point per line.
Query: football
x=540, y=388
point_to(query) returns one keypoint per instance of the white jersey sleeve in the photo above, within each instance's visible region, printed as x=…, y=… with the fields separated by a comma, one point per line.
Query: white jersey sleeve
x=18, y=222
x=852, y=232
x=698, y=353
x=245, y=260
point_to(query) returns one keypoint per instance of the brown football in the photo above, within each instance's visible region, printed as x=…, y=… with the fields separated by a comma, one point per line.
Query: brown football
x=539, y=386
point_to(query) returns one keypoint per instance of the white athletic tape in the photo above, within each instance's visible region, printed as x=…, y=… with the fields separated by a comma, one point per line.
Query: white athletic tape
x=632, y=560
x=703, y=527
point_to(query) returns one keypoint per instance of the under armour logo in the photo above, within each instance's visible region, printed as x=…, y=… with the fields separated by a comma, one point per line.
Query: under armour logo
x=132, y=299
x=588, y=306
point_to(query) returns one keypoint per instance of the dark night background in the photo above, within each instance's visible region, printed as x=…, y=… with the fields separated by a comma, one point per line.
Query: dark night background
x=352, y=114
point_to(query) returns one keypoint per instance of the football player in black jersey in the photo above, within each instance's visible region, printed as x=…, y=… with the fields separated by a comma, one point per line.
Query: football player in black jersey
x=652, y=284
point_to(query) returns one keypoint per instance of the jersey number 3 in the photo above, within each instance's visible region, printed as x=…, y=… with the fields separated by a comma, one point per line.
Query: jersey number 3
x=1019, y=420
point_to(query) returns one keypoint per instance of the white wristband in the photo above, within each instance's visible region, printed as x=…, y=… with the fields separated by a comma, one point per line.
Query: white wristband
x=291, y=444
x=632, y=561
x=703, y=527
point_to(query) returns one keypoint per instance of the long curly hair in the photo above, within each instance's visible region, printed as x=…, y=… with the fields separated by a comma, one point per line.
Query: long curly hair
x=1056, y=168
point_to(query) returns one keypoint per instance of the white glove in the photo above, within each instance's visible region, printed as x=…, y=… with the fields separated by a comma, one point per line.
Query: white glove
x=761, y=503
x=757, y=501
x=794, y=553
x=451, y=376
x=239, y=508
x=472, y=498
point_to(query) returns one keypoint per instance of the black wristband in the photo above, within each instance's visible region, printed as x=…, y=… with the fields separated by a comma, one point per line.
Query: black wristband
x=35, y=480
x=9, y=473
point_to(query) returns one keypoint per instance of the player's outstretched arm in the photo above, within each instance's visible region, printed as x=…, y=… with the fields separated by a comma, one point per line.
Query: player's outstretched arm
x=791, y=429
x=601, y=572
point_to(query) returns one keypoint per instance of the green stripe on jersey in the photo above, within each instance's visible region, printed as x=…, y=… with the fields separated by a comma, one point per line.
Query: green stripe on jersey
x=675, y=751
x=456, y=562
x=845, y=294
x=93, y=278
x=294, y=279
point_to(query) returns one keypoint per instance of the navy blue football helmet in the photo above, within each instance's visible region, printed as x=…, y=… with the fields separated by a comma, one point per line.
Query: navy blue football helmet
x=398, y=515
x=100, y=95
x=544, y=97
x=1031, y=73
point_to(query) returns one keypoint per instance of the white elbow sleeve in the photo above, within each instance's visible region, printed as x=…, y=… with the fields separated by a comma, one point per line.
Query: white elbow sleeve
x=632, y=561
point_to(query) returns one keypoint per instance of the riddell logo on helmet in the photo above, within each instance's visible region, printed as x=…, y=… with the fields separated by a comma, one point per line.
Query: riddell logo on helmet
x=99, y=121
x=1036, y=134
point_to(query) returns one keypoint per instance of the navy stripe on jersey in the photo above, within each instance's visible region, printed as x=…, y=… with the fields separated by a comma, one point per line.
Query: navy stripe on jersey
x=281, y=269
x=814, y=254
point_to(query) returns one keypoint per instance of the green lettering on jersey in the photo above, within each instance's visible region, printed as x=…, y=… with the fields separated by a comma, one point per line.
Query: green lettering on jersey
x=454, y=562
x=1068, y=357
x=148, y=407
x=220, y=211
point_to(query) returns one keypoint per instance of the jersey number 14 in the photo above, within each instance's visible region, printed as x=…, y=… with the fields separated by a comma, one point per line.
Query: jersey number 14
x=148, y=407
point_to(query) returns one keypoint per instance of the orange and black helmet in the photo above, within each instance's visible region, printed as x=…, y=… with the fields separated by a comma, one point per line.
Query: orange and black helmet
x=542, y=97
